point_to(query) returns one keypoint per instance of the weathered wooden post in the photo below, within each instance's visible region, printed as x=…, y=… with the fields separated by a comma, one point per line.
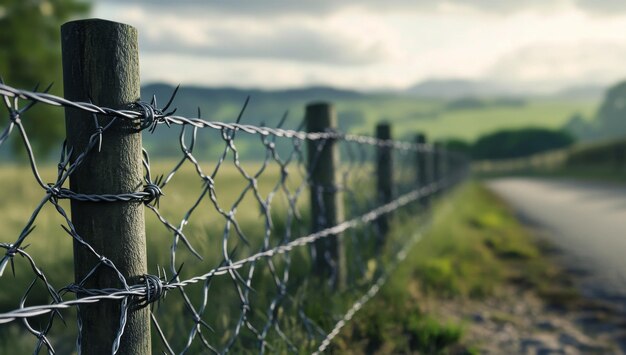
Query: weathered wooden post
x=101, y=63
x=422, y=174
x=444, y=163
x=327, y=209
x=437, y=162
x=384, y=175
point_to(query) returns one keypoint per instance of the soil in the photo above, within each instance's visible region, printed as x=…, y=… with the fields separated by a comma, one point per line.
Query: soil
x=520, y=322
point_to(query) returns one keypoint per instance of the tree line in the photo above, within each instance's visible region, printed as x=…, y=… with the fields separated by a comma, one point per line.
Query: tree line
x=507, y=144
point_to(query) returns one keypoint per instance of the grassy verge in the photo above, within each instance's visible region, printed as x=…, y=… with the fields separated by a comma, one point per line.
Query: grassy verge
x=474, y=249
x=597, y=161
x=600, y=174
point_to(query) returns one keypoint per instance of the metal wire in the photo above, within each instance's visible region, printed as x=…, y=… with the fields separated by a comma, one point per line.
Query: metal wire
x=260, y=264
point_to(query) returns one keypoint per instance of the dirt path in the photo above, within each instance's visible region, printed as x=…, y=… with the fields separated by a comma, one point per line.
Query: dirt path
x=520, y=322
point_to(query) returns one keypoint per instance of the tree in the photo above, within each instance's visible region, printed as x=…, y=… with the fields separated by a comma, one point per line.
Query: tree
x=519, y=143
x=30, y=53
x=577, y=126
x=457, y=145
x=612, y=113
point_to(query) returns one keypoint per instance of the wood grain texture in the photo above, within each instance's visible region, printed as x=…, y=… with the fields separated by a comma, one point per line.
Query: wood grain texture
x=101, y=63
x=384, y=177
x=327, y=208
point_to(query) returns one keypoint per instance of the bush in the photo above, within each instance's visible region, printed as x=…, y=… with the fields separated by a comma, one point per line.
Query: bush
x=608, y=153
x=457, y=145
x=519, y=143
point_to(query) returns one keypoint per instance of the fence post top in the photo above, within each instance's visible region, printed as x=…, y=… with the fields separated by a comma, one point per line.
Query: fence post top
x=96, y=22
x=383, y=130
x=320, y=116
x=319, y=105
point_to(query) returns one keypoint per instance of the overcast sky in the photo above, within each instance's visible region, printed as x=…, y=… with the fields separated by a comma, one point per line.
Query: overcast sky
x=373, y=44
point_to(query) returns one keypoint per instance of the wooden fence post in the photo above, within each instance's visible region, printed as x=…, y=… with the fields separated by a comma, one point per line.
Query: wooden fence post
x=101, y=63
x=444, y=162
x=327, y=207
x=437, y=163
x=384, y=176
x=422, y=174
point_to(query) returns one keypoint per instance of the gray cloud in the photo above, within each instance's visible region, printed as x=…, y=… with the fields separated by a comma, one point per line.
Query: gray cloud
x=270, y=8
x=605, y=7
x=295, y=43
x=554, y=65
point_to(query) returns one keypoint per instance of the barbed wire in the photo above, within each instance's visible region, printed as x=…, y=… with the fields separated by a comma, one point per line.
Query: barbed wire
x=273, y=293
x=154, y=287
x=151, y=116
x=398, y=258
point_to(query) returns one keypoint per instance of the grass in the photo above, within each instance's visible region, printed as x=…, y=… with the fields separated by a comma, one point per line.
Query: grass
x=51, y=248
x=409, y=114
x=472, y=123
x=474, y=248
x=470, y=252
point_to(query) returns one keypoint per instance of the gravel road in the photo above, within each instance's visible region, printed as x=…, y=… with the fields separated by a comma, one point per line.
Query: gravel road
x=586, y=221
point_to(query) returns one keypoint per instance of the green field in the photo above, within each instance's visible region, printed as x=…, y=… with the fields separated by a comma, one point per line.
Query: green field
x=436, y=121
x=472, y=236
x=51, y=248
x=471, y=124
x=410, y=115
x=439, y=119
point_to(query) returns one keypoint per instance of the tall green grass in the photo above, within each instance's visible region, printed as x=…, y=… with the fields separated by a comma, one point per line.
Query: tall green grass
x=207, y=232
x=474, y=248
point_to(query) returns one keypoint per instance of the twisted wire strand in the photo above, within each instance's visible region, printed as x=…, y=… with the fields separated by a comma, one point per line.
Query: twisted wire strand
x=399, y=257
x=141, y=290
x=156, y=117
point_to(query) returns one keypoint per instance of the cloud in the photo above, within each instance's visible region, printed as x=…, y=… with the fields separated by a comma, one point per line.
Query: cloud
x=270, y=8
x=287, y=42
x=559, y=64
x=266, y=73
x=348, y=43
x=602, y=7
x=331, y=40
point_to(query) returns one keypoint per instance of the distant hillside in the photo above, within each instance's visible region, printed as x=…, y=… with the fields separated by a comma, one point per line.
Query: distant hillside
x=458, y=88
x=439, y=89
x=266, y=107
x=445, y=117
x=467, y=117
x=591, y=92
x=212, y=94
x=450, y=89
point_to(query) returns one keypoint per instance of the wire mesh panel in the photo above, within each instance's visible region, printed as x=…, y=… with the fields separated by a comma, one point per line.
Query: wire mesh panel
x=229, y=235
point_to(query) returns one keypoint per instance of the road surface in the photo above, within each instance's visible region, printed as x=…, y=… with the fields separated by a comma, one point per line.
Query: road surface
x=586, y=221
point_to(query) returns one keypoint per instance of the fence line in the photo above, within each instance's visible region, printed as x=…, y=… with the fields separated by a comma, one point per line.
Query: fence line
x=155, y=287
x=373, y=290
x=275, y=285
x=151, y=116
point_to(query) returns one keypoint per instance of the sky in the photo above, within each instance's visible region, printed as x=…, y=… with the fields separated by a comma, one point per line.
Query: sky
x=546, y=45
